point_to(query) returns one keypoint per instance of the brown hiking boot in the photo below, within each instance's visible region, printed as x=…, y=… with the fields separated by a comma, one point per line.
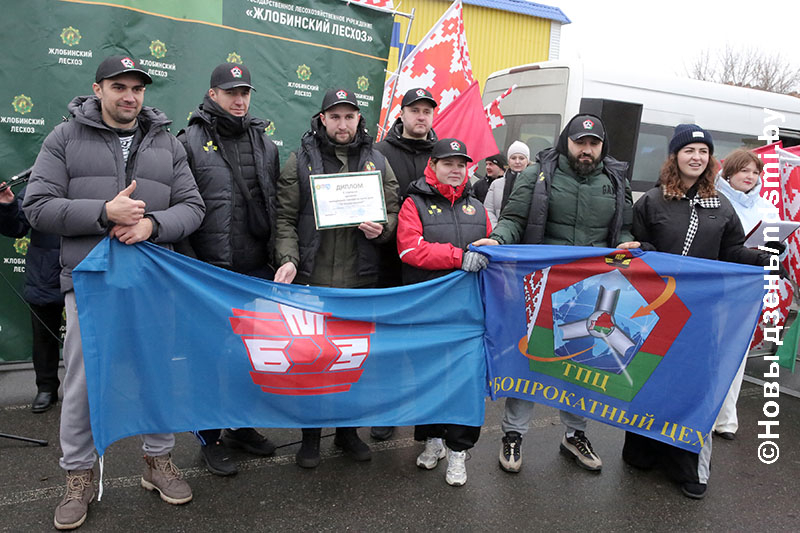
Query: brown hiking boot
x=72, y=510
x=162, y=475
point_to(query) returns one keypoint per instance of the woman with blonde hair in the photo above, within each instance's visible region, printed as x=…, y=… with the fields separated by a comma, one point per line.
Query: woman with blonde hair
x=740, y=182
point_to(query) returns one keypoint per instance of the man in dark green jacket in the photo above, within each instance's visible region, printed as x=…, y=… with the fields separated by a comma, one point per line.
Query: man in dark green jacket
x=574, y=195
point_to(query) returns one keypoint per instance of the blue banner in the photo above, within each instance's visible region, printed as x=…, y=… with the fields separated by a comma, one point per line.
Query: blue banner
x=173, y=344
x=645, y=341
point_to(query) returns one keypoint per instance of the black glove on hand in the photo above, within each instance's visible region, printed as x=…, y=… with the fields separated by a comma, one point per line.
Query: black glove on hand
x=775, y=245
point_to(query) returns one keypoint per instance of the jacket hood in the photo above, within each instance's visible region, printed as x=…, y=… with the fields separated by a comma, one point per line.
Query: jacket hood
x=448, y=191
x=562, y=147
x=413, y=146
x=86, y=110
x=746, y=199
x=210, y=114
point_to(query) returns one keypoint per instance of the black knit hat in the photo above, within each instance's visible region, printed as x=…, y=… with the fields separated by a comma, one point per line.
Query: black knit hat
x=688, y=134
x=499, y=160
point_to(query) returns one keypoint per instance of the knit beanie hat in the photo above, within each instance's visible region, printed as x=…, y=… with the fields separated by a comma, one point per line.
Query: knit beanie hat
x=518, y=147
x=688, y=134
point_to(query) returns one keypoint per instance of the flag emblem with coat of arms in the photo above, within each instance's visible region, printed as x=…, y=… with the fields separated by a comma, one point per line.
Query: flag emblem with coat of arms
x=601, y=328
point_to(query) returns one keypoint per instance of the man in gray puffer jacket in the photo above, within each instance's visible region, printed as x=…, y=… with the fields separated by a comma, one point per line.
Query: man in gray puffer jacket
x=112, y=169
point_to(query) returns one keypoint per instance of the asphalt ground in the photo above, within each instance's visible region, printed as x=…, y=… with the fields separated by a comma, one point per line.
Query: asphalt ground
x=390, y=493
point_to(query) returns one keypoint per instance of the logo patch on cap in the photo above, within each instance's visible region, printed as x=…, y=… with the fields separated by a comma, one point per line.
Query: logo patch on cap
x=455, y=146
x=420, y=92
x=341, y=94
x=698, y=134
x=127, y=62
x=588, y=124
x=236, y=72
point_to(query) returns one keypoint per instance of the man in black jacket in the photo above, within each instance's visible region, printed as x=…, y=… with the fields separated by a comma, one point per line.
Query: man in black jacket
x=409, y=142
x=236, y=168
x=407, y=146
x=495, y=168
x=42, y=292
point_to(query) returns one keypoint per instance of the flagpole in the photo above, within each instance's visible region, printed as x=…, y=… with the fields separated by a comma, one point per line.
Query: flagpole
x=401, y=58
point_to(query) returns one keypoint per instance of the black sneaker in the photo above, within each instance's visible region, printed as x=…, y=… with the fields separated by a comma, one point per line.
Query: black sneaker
x=217, y=460
x=348, y=440
x=579, y=448
x=249, y=440
x=695, y=491
x=727, y=435
x=511, y=452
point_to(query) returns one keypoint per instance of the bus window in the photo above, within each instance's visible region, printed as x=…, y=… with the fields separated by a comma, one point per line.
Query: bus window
x=537, y=131
x=725, y=143
x=651, y=151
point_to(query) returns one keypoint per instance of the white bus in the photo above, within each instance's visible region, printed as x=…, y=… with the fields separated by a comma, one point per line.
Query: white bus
x=640, y=112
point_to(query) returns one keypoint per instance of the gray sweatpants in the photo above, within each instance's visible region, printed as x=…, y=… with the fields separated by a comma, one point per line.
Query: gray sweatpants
x=518, y=413
x=77, y=443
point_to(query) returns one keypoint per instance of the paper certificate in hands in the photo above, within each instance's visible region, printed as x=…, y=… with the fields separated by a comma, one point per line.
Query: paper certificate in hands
x=778, y=230
x=342, y=200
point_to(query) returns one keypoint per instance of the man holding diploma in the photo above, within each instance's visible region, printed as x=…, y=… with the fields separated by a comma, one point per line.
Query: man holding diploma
x=346, y=257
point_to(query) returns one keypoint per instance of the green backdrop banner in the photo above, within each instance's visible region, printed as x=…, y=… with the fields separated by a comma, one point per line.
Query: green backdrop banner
x=295, y=52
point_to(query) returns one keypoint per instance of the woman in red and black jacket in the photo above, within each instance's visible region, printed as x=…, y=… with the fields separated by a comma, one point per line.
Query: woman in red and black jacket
x=439, y=219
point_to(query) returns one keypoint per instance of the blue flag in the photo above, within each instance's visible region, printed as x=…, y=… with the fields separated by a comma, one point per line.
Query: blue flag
x=173, y=344
x=645, y=341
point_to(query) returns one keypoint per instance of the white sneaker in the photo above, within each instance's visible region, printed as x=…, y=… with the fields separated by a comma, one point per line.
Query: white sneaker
x=429, y=458
x=456, y=469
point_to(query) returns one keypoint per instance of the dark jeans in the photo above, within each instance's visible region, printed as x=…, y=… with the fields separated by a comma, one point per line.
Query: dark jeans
x=46, y=323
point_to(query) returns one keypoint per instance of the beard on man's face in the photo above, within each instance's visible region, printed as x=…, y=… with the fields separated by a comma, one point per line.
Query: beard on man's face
x=582, y=167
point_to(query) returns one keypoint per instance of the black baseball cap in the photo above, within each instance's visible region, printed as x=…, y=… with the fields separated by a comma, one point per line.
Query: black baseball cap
x=230, y=75
x=113, y=66
x=338, y=96
x=586, y=125
x=415, y=95
x=449, y=148
x=499, y=160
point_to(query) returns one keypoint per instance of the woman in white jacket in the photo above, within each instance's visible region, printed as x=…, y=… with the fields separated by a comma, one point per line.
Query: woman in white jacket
x=739, y=181
x=519, y=156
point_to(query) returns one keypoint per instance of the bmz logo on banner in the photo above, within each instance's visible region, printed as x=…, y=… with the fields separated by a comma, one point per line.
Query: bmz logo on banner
x=298, y=352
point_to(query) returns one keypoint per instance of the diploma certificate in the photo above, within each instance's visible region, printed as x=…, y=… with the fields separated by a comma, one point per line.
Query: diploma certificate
x=342, y=200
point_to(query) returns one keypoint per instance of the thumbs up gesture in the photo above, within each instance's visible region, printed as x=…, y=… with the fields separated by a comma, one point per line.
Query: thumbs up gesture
x=124, y=210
